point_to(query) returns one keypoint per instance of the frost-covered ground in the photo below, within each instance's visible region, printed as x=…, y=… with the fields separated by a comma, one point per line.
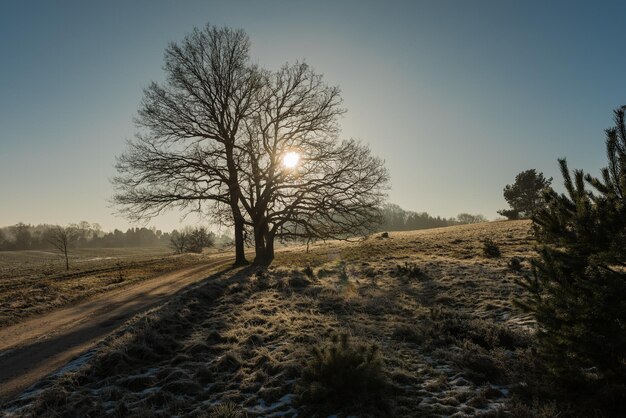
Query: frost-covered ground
x=33, y=282
x=438, y=309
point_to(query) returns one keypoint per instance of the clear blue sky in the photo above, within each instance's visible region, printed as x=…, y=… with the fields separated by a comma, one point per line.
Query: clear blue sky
x=456, y=96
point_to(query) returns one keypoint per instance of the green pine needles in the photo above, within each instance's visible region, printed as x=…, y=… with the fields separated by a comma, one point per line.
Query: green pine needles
x=578, y=290
x=346, y=375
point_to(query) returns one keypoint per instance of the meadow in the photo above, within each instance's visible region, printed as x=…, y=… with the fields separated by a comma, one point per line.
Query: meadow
x=33, y=282
x=427, y=314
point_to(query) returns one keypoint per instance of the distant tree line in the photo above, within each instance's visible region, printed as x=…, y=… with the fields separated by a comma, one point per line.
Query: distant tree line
x=84, y=235
x=394, y=218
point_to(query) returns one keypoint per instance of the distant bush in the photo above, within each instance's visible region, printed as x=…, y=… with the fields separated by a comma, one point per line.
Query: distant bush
x=191, y=240
x=515, y=264
x=409, y=270
x=342, y=374
x=308, y=272
x=384, y=235
x=490, y=248
x=468, y=218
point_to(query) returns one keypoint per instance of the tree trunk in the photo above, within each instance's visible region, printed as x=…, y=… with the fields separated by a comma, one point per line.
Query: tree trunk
x=266, y=257
x=67, y=261
x=269, y=247
x=233, y=188
x=259, y=246
x=240, y=255
x=263, y=257
x=260, y=257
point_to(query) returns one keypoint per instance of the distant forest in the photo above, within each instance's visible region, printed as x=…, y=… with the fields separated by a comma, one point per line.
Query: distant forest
x=397, y=219
x=36, y=237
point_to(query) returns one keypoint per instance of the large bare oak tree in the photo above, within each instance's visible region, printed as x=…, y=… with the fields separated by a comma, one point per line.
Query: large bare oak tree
x=214, y=137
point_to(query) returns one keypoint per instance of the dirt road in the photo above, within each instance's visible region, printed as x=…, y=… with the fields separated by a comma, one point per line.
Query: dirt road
x=37, y=347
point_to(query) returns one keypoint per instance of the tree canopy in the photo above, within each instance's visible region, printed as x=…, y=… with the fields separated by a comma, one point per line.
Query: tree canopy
x=525, y=195
x=212, y=139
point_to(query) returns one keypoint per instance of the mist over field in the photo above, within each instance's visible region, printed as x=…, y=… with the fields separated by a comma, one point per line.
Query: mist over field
x=312, y=209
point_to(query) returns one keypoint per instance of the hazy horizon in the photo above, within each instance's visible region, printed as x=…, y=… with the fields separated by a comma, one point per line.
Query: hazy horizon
x=457, y=97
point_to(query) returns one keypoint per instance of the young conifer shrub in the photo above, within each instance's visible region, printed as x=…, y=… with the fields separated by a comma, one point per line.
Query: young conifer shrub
x=578, y=290
x=344, y=374
x=490, y=248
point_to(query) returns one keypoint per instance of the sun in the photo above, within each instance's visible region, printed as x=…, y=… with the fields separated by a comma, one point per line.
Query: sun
x=291, y=159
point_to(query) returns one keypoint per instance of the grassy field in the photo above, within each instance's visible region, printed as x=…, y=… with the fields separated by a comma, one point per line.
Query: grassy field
x=33, y=282
x=426, y=315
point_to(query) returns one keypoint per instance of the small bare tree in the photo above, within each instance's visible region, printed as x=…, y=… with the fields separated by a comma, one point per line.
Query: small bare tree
x=179, y=241
x=468, y=218
x=61, y=238
x=192, y=240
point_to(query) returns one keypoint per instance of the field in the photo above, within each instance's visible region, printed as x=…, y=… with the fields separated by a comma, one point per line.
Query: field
x=33, y=282
x=429, y=307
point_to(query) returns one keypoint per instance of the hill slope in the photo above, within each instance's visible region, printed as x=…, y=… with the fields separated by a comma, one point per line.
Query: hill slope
x=438, y=310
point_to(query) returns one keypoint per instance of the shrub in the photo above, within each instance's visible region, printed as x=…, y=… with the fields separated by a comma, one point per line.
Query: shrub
x=343, y=273
x=384, y=235
x=298, y=281
x=344, y=375
x=515, y=264
x=308, y=272
x=490, y=248
x=322, y=273
x=191, y=240
x=516, y=408
x=227, y=410
x=445, y=326
x=409, y=270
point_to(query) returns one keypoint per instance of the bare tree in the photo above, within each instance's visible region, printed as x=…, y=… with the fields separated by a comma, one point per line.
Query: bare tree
x=192, y=240
x=200, y=239
x=468, y=218
x=215, y=139
x=186, y=155
x=61, y=238
x=179, y=241
x=298, y=180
